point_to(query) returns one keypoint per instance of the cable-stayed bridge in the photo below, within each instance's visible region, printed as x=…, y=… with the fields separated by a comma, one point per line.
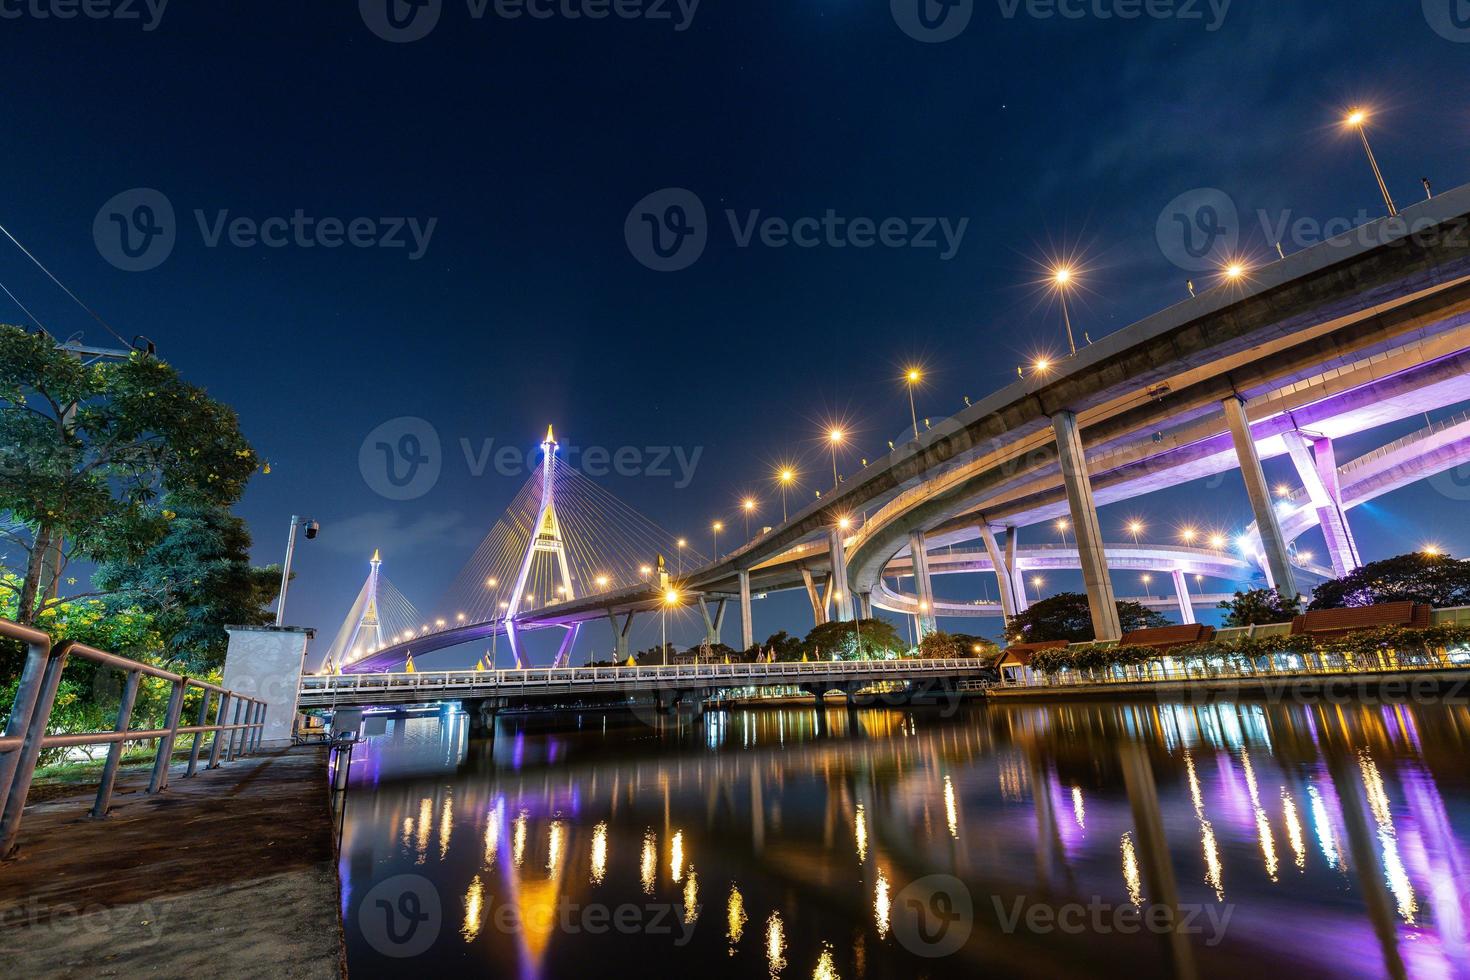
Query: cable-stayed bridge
x=1358, y=332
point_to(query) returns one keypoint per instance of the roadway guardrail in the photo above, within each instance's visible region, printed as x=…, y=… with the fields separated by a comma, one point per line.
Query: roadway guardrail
x=26, y=733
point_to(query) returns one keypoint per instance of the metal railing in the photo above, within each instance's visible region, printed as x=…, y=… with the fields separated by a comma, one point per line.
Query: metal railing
x=529, y=681
x=1281, y=666
x=26, y=734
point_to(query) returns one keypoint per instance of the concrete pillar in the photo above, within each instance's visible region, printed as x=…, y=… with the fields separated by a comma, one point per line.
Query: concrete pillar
x=842, y=589
x=1181, y=589
x=747, y=625
x=923, y=585
x=1318, y=473
x=266, y=662
x=1002, y=572
x=620, y=635
x=865, y=605
x=1100, y=598
x=712, y=624
x=819, y=605
x=1272, y=541
x=1013, y=565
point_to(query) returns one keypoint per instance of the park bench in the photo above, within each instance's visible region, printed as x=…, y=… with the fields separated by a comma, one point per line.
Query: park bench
x=1340, y=622
x=1169, y=637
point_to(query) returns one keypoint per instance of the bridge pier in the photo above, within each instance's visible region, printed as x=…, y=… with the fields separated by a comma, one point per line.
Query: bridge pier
x=839, y=589
x=620, y=635
x=1003, y=577
x=1317, y=468
x=865, y=605
x=747, y=625
x=712, y=626
x=1181, y=589
x=1273, y=543
x=819, y=605
x=1088, y=530
x=482, y=713
x=923, y=585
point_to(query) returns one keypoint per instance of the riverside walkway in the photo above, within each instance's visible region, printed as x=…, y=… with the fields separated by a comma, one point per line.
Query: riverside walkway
x=230, y=873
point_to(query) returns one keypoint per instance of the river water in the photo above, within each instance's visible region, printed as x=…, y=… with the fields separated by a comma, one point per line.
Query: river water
x=1129, y=840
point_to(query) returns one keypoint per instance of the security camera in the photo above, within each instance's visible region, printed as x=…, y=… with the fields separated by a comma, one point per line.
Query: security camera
x=312, y=527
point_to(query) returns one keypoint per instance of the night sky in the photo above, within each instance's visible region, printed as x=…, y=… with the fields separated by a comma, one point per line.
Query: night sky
x=527, y=141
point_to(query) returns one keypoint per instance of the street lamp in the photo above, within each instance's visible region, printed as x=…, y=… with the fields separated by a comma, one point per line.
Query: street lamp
x=1146, y=590
x=682, y=544
x=311, y=528
x=1235, y=271
x=716, y=528
x=913, y=376
x=833, y=438
x=1061, y=278
x=1358, y=119
x=748, y=505
x=1218, y=542
x=785, y=478
x=1432, y=550
x=1189, y=534
x=1135, y=528
x=671, y=598
x=1037, y=582
x=1062, y=526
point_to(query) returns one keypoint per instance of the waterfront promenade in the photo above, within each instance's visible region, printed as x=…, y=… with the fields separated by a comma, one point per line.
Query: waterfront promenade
x=230, y=873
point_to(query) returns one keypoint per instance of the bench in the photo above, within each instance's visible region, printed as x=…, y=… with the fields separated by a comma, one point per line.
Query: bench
x=1169, y=637
x=1340, y=622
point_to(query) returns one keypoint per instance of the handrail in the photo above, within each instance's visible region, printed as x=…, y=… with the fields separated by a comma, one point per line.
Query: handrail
x=26, y=733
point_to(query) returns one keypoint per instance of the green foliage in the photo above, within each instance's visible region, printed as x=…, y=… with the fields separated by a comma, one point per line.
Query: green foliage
x=940, y=645
x=868, y=639
x=786, y=647
x=1067, y=616
x=1250, y=652
x=1438, y=580
x=195, y=581
x=1260, y=607
x=86, y=449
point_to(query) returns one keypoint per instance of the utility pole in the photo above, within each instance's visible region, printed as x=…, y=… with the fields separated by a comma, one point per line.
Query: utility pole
x=312, y=527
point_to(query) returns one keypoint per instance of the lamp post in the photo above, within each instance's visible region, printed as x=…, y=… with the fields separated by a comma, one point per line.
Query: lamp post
x=682, y=543
x=748, y=505
x=671, y=598
x=1358, y=119
x=312, y=527
x=834, y=437
x=1135, y=528
x=786, y=477
x=913, y=377
x=1061, y=278
x=1062, y=529
x=715, y=529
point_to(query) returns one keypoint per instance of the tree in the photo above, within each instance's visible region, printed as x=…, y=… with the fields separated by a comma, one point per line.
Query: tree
x=1259, y=607
x=1438, y=580
x=85, y=449
x=195, y=581
x=868, y=639
x=1067, y=616
x=785, y=646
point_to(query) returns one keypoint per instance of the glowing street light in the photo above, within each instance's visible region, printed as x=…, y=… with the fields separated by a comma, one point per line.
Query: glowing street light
x=1062, y=278
x=1037, y=582
x=602, y=581
x=1188, y=534
x=1135, y=528
x=1042, y=365
x=1062, y=526
x=913, y=376
x=671, y=599
x=1432, y=550
x=844, y=523
x=1218, y=542
x=682, y=544
x=1282, y=490
x=1146, y=590
x=1235, y=271
x=748, y=505
x=834, y=439
x=1358, y=119
x=785, y=477
x=715, y=529
x=645, y=570
x=491, y=582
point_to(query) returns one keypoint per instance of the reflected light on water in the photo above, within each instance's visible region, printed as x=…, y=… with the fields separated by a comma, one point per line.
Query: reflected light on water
x=446, y=826
x=1214, y=875
x=599, y=853
x=826, y=967
x=882, y=904
x=1079, y=811
x=951, y=811
x=1263, y=824
x=1294, y=829
x=492, y=834
x=860, y=831
x=1130, y=871
x=648, y=862
x=1393, y=865
x=735, y=917
x=426, y=814
x=518, y=839
x=775, y=944
x=1322, y=824
x=676, y=856
x=473, y=906
x=553, y=845
x=691, y=898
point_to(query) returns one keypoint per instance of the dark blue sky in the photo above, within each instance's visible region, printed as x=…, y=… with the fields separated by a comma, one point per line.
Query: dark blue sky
x=528, y=142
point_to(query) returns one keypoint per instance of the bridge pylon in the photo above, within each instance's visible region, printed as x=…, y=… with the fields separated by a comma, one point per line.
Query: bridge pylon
x=545, y=539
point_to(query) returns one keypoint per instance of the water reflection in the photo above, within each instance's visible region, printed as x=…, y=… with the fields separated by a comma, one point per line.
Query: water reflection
x=1336, y=838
